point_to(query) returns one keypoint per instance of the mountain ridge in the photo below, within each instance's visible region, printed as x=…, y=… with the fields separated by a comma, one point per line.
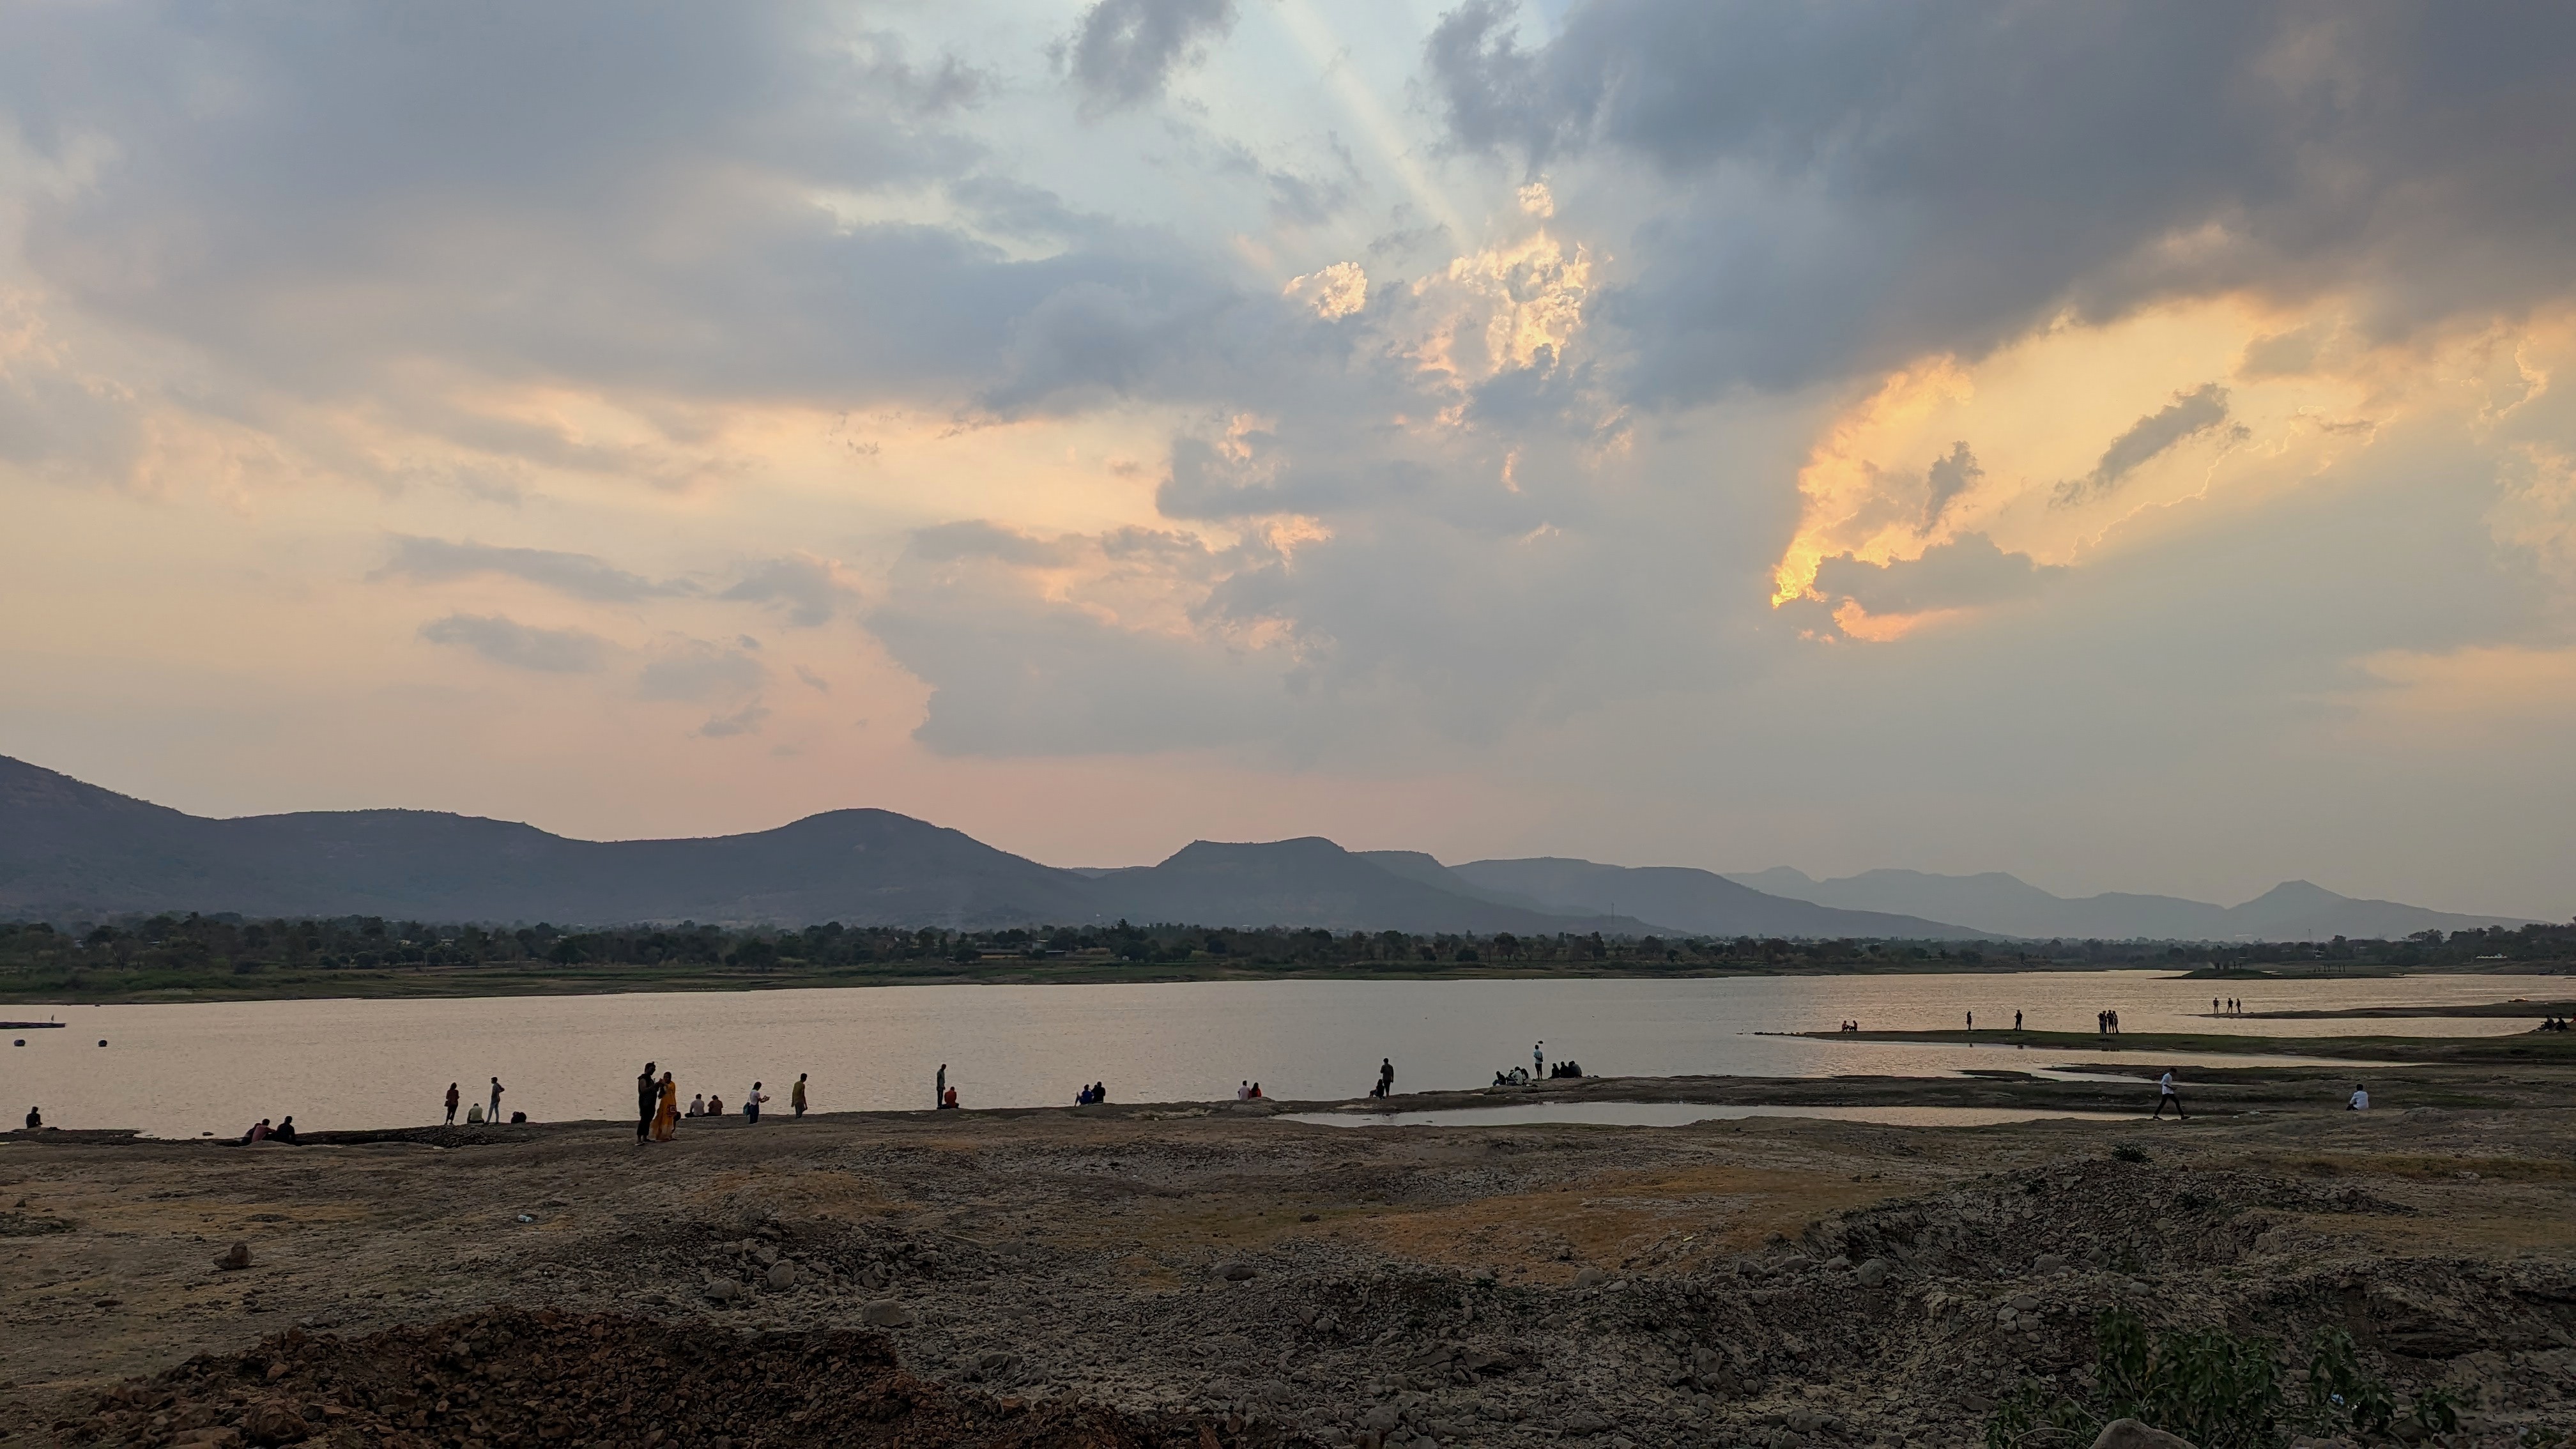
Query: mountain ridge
x=1999, y=902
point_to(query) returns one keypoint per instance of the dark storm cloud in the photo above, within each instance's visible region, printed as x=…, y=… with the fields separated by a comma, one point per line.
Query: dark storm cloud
x=1854, y=184
x=1124, y=52
x=343, y=203
x=2190, y=414
x=515, y=645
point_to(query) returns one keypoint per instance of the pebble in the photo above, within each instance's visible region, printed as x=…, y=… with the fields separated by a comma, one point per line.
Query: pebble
x=1871, y=1272
x=1236, y=1272
x=723, y=1290
x=234, y=1258
x=1583, y=1421
x=885, y=1313
x=782, y=1276
x=1590, y=1278
x=2048, y=1263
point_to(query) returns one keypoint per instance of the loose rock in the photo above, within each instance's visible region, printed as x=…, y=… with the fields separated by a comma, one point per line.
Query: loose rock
x=885, y=1313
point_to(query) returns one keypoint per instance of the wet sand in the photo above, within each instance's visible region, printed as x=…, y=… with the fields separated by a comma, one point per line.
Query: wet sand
x=1193, y=1270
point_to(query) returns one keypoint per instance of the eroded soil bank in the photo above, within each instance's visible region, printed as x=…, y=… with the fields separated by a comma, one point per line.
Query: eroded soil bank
x=1195, y=1276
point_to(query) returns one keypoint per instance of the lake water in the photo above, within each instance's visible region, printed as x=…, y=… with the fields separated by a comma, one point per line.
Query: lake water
x=178, y=1070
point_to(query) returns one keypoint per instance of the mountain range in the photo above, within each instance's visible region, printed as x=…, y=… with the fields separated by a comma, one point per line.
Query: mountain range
x=70, y=850
x=2005, y=905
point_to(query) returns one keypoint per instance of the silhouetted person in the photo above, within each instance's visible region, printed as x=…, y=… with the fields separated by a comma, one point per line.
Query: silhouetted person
x=939, y=1090
x=35, y=1118
x=284, y=1131
x=451, y=1104
x=796, y=1096
x=648, y=1100
x=493, y=1112
x=2016, y=1021
x=1386, y=1077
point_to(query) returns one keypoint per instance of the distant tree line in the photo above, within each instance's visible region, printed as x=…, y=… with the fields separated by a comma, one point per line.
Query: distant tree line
x=195, y=945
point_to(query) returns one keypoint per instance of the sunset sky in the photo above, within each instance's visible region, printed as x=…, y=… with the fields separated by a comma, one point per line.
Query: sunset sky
x=2128, y=445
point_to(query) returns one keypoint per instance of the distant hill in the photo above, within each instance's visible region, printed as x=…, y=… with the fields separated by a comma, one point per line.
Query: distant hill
x=1313, y=882
x=1692, y=902
x=2291, y=911
x=67, y=848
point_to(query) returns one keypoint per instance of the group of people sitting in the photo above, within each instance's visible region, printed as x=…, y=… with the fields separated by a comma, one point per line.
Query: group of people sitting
x=703, y=1105
x=1851, y=1026
x=1565, y=1070
x=1090, y=1095
x=262, y=1132
x=1248, y=1092
x=2555, y=1023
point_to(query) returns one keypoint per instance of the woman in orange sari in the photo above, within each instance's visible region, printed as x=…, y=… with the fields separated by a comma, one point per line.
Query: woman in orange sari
x=666, y=1118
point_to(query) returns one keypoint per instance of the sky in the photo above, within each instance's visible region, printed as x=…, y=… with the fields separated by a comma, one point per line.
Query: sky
x=2129, y=445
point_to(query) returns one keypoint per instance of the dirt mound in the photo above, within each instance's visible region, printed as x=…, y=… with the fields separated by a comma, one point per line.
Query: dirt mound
x=544, y=1378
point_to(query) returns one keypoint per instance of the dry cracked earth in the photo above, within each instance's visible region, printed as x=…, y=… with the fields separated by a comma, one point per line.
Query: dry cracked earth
x=1214, y=1276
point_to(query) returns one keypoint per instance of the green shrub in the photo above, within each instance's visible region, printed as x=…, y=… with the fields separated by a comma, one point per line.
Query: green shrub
x=2212, y=1387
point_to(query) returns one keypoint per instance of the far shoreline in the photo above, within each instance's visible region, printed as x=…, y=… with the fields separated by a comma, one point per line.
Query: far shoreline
x=456, y=982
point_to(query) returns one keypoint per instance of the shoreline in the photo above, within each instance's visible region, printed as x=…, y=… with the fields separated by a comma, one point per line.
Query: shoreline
x=453, y=982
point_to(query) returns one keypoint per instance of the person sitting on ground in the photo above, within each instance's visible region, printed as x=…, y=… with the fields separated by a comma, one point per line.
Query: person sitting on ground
x=1498, y=1080
x=949, y=1102
x=35, y=1118
x=1243, y=1091
x=258, y=1132
x=1100, y=1091
x=698, y=1105
x=1256, y=1091
x=284, y=1131
x=715, y=1106
x=2360, y=1099
x=518, y=1119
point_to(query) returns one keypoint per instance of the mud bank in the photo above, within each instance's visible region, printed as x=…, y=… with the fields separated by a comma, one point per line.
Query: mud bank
x=1210, y=1275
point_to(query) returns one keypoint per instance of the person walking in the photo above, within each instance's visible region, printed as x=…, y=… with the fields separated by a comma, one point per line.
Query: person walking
x=939, y=1091
x=751, y=1101
x=2167, y=1097
x=493, y=1113
x=796, y=1096
x=451, y=1104
x=648, y=1100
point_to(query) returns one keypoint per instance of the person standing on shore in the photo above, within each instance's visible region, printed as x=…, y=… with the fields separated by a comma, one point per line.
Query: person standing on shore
x=2167, y=1096
x=493, y=1112
x=1386, y=1077
x=2016, y=1021
x=648, y=1100
x=1972, y=1021
x=451, y=1104
x=1538, y=1061
x=751, y=1101
x=939, y=1090
x=666, y=1112
x=796, y=1096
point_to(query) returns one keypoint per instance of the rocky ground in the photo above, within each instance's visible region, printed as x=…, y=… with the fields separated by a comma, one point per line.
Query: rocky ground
x=1214, y=1276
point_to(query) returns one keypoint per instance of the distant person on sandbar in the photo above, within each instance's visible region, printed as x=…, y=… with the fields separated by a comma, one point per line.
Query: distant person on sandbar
x=1243, y=1091
x=666, y=1109
x=451, y=1104
x=1386, y=1077
x=2166, y=1096
x=258, y=1132
x=35, y=1118
x=715, y=1106
x=1538, y=1060
x=698, y=1105
x=2359, y=1101
x=284, y=1131
x=1099, y=1093
x=1972, y=1021
x=493, y=1112
x=1256, y=1091
x=796, y=1096
x=648, y=1100
x=2016, y=1021
x=948, y=1101
x=939, y=1089
x=751, y=1104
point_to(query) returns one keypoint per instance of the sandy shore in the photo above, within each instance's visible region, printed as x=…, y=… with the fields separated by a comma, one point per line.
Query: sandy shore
x=1210, y=1275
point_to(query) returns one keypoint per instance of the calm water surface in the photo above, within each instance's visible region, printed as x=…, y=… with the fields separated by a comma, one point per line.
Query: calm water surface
x=1673, y=1114
x=179, y=1070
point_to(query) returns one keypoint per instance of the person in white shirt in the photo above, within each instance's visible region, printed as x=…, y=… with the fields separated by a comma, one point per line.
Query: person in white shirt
x=751, y=1104
x=2166, y=1096
x=2360, y=1099
x=1243, y=1092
